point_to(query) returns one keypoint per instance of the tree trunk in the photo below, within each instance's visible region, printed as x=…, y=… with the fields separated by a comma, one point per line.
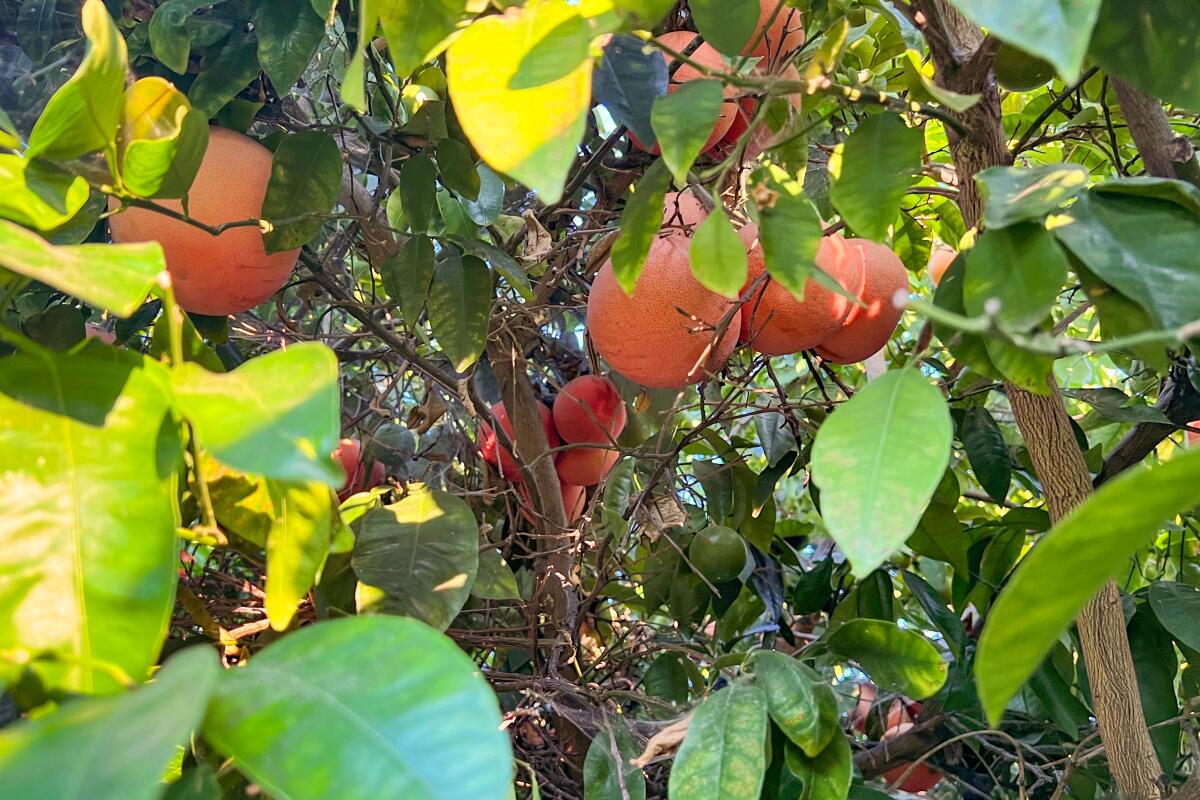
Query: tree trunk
x=963, y=59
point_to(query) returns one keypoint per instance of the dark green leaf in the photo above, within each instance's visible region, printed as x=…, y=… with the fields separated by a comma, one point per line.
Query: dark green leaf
x=826, y=776
x=1093, y=543
x=168, y=30
x=487, y=207
x=877, y=461
x=717, y=255
x=1016, y=273
x=1155, y=663
x=666, y=678
x=803, y=706
x=306, y=178
x=276, y=415
x=640, y=225
x=421, y=553
x=1180, y=193
x=1113, y=404
x=1054, y=693
x=969, y=348
x=1055, y=30
x=418, y=191
x=724, y=755
x=227, y=70
x=1155, y=46
x=683, y=121
x=88, y=454
x=898, y=660
x=457, y=168
x=879, y=160
x=628, y=79
x=289, y=32
x=36, y=29
x=813, y=588
x=407, y=275
x=494, y=580
x=1177, y=607
x=935, y=608
x=1019, y=194
x=727, y=25
x=459, y=302
x=110, y=748
x=363, y=708
x=607, y=773
x=790, y=232
x=987, y=452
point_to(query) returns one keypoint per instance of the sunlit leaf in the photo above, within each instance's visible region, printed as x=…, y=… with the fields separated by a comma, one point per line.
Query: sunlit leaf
x=1055, y=30
x=898, y=660
x=162, y=142
x=717, y=255
x=879, y=160
x=38, y=197
x=727, y=25
x=1018, y=194
x=723, y=756
x=297, y=544
x=417, y=30
x=683, y=120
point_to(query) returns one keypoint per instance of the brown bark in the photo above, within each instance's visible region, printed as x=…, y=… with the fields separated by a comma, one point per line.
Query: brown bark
x=964, y=65
x=1164, y=153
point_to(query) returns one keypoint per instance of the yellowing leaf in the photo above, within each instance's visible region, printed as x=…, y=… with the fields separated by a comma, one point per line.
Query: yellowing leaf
x=528, y=133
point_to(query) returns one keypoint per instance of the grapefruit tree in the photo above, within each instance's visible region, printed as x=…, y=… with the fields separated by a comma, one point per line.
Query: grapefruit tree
x=609, y=399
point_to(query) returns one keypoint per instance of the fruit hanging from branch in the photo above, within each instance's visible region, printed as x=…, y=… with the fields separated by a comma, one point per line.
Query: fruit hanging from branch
x=868, y=327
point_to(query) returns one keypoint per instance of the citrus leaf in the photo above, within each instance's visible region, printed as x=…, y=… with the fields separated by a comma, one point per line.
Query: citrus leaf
x=827, y=775
x=878, y=460
x=803, y=707
x=297, y=545
x=168, y=32
x=306, y=178
x=683, y=121
x=987, y=452
x=289, y=32
x=1021, y=268
x=457, y=169
x=494, y=580
x=227, y=70
x=727, y=25
x=408, y=274
x=1154, y=46
x=1177, y=607
x=898, y=660
x=607, y=773
x=364, y=708
x=459, y=302
x=418, y=191
x=36, y=197
x=790, y=232
x=417, y=30
x=879, y=160
x=1013, y=194
x=1093, y=543
x=1054, y=30
x=628, y=79
x=724, y=755
x=640, y=225
x=162, y=142
x=717, y=255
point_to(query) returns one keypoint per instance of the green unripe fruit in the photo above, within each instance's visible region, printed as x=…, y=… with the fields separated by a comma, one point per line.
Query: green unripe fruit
x=1017, y=71
x=718, y=553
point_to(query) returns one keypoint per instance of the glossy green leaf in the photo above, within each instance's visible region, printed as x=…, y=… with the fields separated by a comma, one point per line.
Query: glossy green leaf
x=1155, y=664
x=630, y=76
x=1144, y=248
x=727, y=25
x=790, y=232
x=226, y=71
x=1177, y=607
x=1154, y=46
x=640, y=225
x=494, y=580
x=724, y=755
x=459, y=303
x=83, y=115
x=418, y=191
x=945, y=620
x=666, y=678
x=1092, y=544
x=110, y=748
x=683, y=120
x=88, y=452
x=36, y=196
x=878, y=460
x=407, y=275
x=306, y=178
x=168, y=32
x=161, y=142
x=987, y=452
x=879, y=161
x=557, y=53
x=1014, y=273
x=1020, y=194
x=297, y=545
x=1054, y=30
x=898, y=660
x=422, y=552
x=530, y=134
x=1180, y=193
x=486, y=208
x=417, y=30
x=276, y=415
x=718, y=256
x=803, y=706
x=457, y=168
x=968, y=348
x=363, y=708
x=827, y=775
x=607, y=773
x=289, y=32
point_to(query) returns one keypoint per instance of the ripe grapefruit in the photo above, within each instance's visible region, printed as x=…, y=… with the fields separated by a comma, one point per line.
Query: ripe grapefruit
x=585, y=466
x=349, y=456
x=707, y=56
x=921, y=779
x=497, y=455
x=662, y=335
x=224, y=274
x=939, y=261
x=782, y=38
x=718, y=553
x=775, y=323
x=867, y=329
x=589, y=409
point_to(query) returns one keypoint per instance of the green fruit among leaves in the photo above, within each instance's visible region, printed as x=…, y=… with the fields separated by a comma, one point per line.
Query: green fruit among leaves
x=1017, y=71
x=718, y=553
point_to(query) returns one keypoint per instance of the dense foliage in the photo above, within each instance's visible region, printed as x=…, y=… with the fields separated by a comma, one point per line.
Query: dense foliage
x=340, y=506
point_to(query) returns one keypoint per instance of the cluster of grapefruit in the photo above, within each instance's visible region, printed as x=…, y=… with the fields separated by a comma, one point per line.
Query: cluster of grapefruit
x=672, y=331
x=587, y=415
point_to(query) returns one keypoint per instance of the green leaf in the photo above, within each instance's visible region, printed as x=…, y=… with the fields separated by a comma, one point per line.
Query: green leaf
x=790, y=232
x=969, y=348
x=1155, y=664
x=36, y=29
x=289, y=32
x=666, y=678
x=110, y=748
x=878, y=460
x=39, y=195
x=718, y=255
x=494, y=580
x=1019, y=194
x=879, y=160
x=1180, y=193
x=683, y=120
x=422, y=552
x=82, y=116
x=408, y=274
x=363, y=708
x=803, y=707
x=116, y=277
x=1054, y=30
x=531, y=133
x=1113, y=404
x=485, y=209
x=168, y=32
x=306, y=178
x=417, y=30
x=1021, y=269
x=227, y=70
x=724, y=755
x=162, y=142
x=607, y=773
x=459, y=303
x=1177, y=607
x=945, y=620
x=276, y=415
x=556, y=54
x=987, y=452
x=1093, y=543
x=898, y=660
x=297, y=545
x=631, y=75
x=457, y=168
x=827, y=776
x=418, y=191
x=727, y=25
x=1144, y=248
x=640, y=225
x=1154, y=46
x=87, y=459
